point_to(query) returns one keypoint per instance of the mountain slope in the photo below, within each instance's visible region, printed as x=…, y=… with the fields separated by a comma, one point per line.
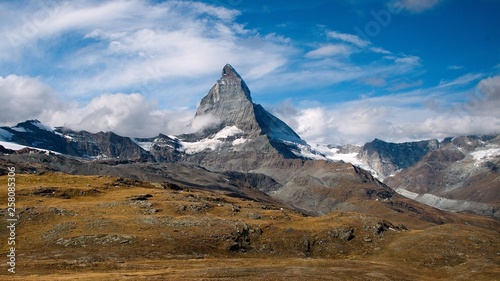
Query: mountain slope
x=462, y=175
x=96, y=146
x=381, y=158
x=387, y=158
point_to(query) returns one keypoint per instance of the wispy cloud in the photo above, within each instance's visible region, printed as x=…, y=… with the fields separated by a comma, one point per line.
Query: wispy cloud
x=139, y=68
x=401, y=85
x=330, y=50
x=414, y=6
x=349, y=38
x=122, y=45
x=462, y=80
x=380, y=50
x=455, y=67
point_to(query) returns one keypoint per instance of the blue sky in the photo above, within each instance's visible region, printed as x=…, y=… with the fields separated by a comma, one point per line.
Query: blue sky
x=344, y=71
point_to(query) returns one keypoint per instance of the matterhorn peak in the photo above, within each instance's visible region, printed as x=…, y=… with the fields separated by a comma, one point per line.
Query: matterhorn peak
x=229, y=102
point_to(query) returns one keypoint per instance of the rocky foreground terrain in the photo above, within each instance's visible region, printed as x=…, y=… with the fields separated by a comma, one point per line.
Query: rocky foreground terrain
x=74, y=227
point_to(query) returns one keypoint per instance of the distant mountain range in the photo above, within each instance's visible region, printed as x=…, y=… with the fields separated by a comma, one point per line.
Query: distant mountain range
x=457, y=174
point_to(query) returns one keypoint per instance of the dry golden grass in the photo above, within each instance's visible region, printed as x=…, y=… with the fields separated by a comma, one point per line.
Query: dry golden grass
x=89, y=228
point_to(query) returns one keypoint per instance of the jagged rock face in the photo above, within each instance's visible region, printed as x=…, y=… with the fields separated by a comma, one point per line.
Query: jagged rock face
x=461, y=175
x=230, y=102
x=246, y=136
x=387, y=158
x=34, y=133
x=163, y=148
x=105, y=145
x=81, y=144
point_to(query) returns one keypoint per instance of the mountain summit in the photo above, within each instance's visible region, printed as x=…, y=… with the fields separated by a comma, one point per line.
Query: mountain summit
x=229, y=101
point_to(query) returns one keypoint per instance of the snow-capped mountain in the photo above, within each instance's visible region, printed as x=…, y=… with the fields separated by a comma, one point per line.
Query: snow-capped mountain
x=456, y=174
x=98, y=146
x=381, y=158
x=240, y=121
x=236, y=128
x=463, y=174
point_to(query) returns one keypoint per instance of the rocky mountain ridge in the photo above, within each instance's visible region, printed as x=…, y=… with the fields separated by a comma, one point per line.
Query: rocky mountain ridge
x=463, y=174
x=455, y=174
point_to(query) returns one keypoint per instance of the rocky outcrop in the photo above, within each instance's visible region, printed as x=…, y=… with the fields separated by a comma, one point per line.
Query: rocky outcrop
x=104, y=145
x=387, y=158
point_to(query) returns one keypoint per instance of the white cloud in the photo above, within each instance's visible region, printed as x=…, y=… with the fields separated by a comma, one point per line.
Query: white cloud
x=401, y=85
x=414, y=6
x=455, y=67
x=486, y=100
x=399, y=117
x=25, y=98
x=413, y=60
x=375, y=81
x=380, y=50
x=462, y=80
x=490, y=87
x=330, y=50
x=201, y=122
x=121, y=45
x=125, y=114
x=349, y=38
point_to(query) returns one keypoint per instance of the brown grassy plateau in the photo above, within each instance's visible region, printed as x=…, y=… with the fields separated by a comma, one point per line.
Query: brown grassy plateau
x=109, y=228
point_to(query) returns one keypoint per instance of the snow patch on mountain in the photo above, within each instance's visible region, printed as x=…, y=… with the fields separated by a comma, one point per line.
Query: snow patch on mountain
x=42, y=126
x=447, y=204
x=239, y=141
x=16, y=146
x=334, y=154
x=306, y=151
x=483, y=155
x=228, y=132
x=12, y=145
x=5, y=135
x=146, y=145
x=20, y=130
x=214, y=142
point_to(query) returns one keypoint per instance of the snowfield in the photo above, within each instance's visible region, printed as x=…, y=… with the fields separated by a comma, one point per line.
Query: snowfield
x=484, y=155
x=214, y=142
x=15, y=146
